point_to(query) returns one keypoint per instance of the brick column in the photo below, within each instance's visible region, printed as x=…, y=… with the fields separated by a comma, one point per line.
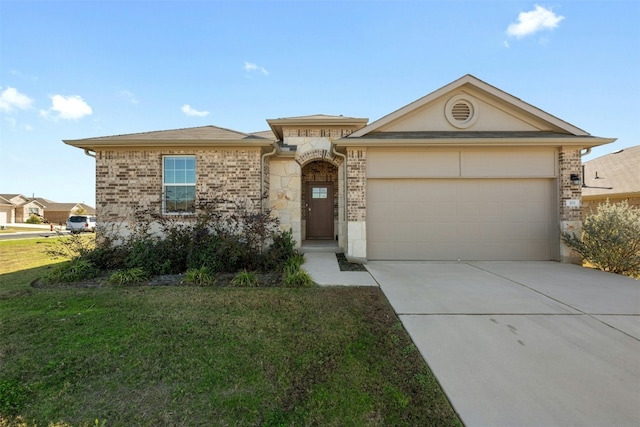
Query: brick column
x=356, y=202
x=570, y=162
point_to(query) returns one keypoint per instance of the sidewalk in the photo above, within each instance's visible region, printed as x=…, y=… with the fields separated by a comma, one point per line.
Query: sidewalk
x=324, y=270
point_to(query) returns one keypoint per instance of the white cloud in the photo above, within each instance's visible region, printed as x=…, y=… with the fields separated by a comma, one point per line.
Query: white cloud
x=189, y=111
x=68, y=107
x=533, y=21
x=251, y=67
x=128, y=95
x=11, y=99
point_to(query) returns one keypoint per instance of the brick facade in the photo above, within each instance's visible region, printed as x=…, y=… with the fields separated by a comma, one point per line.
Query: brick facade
x=570, y=162
x=128, y=181
x=356, y=184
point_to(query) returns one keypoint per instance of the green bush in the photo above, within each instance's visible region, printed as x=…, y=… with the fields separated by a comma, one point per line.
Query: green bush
x=610, y=239
x=223, y=236
x=245, y=279
x=34, y=219
x=280, y=251
x=73, y=271
x=298, y=279
x=131, y=276
x=199, y=276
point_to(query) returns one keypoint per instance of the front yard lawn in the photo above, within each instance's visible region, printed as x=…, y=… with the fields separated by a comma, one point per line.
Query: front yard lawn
x=172, y=355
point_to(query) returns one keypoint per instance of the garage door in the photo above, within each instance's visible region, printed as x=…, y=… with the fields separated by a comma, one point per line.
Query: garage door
x=468, y=219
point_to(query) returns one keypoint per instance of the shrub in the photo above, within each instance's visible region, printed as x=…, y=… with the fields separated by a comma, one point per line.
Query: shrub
x=71, y=246
x=128, y=277
x=610, y=238
x=199, y=276
x=72, y=271
x=294, y=263
x=280, y=251
x=297, y=279
x=34, y=219
x=245, y=279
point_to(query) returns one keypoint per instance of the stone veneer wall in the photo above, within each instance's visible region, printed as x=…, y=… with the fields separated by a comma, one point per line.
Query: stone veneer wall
x=128, y=181
x=570, y=162
x=357, y=202
x=285, y=194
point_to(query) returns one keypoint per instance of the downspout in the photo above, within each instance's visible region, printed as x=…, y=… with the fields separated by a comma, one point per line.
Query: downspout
x=586, y=152
x=86, y=151
x=264, y=156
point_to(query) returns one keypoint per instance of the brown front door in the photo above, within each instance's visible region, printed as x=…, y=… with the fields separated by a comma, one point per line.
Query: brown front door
x=319, y=207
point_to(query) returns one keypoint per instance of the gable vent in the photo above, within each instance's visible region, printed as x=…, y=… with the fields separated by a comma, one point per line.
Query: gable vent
x=461, y=111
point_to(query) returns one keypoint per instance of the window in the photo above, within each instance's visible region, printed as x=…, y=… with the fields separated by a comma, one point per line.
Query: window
x=319, y=193
x=34, y=211
x=179, y=184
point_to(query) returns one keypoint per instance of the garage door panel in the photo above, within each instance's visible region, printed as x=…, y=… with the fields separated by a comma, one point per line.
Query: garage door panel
x=448, y=219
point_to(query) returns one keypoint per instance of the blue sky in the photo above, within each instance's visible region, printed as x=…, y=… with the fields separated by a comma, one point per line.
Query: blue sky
x=77, y=69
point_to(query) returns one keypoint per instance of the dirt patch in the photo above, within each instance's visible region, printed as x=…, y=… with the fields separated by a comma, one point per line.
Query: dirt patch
x=345, y=265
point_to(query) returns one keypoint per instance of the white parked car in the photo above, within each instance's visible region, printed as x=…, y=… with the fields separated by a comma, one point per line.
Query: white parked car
x=80, y=223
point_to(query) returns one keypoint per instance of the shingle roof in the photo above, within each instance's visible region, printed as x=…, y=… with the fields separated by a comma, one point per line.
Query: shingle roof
x=612, y=174
x=265, y=134
x=195, y=133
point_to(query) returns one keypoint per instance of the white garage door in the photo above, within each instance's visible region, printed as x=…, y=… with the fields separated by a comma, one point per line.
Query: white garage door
x=467, y=219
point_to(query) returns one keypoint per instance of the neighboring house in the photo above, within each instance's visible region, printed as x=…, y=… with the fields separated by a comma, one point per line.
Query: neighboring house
x=16, y=208
x=23, y=207
x=7, y=211
x=58, y=213
x=614, y=177
x=465, y=172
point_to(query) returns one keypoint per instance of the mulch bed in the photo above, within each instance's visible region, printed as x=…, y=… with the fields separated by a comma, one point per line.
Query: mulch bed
x=345, y=265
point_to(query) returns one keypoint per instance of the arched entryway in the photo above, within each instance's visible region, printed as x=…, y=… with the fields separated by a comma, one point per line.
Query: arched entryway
x=320, y=200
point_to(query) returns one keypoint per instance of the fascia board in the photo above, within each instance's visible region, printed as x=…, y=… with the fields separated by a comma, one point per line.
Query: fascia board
x=154, y=143
x=582, y=142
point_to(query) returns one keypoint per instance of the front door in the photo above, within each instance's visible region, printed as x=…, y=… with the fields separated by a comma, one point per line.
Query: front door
x=319, y=207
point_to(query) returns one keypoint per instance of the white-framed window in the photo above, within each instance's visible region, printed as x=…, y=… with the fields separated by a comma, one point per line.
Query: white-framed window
x=179, y=184
x=34, y=211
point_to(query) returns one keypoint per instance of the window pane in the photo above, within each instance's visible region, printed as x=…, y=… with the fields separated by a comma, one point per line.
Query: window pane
x=180, y=199
x=319, y=193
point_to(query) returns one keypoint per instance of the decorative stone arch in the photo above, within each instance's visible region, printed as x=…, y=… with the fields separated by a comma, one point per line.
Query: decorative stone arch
x=319, y=154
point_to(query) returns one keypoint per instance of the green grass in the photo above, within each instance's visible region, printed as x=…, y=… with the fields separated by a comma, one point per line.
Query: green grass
x=153, y=356
x=9, y=229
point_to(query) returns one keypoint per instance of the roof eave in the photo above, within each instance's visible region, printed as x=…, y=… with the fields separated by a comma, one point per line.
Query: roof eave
x=582, y=142
x=96, y=145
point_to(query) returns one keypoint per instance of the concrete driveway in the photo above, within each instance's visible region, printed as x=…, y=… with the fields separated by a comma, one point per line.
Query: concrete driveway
x=524, y=343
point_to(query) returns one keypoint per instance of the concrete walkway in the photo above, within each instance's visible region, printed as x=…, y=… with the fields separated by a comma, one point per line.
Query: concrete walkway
x=324, y=269
x=524, y=343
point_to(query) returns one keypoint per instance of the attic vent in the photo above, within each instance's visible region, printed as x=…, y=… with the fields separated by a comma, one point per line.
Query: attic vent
x=461, y=111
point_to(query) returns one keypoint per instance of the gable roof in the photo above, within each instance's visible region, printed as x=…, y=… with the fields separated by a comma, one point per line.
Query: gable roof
x=470, y=82
x=199, y=136
x=614, y=174
x=492, y=117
